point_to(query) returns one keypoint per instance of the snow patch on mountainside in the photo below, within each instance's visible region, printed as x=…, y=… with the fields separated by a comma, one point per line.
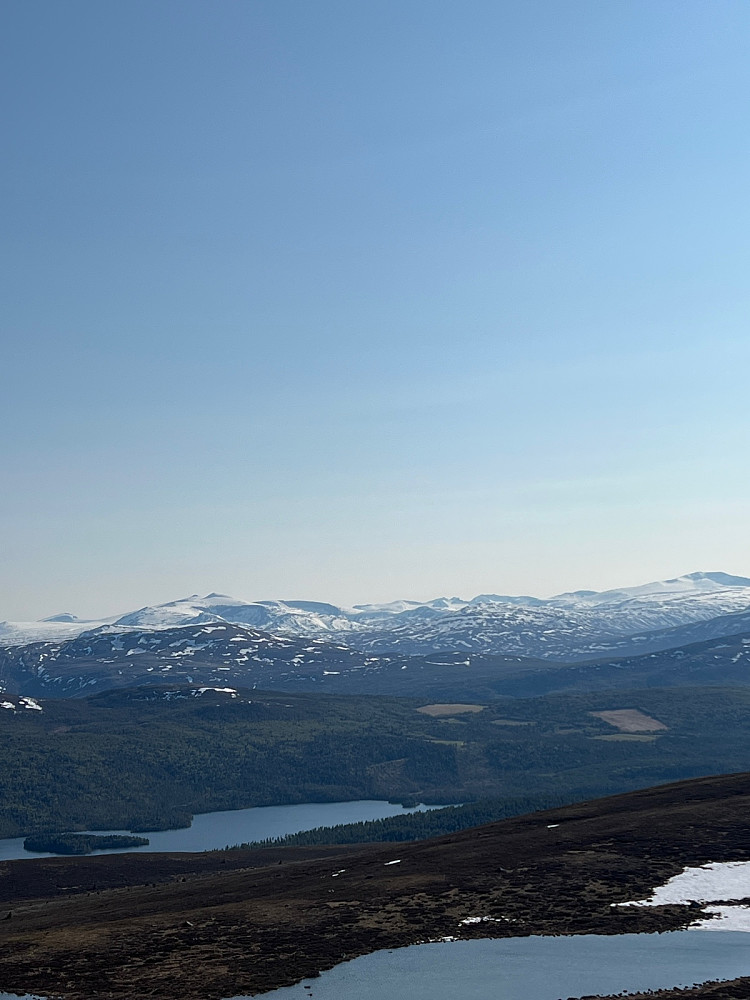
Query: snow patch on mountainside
x=719, y=883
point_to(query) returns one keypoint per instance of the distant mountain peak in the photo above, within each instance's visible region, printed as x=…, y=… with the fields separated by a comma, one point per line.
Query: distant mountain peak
x=64, y=616
x=723, y=579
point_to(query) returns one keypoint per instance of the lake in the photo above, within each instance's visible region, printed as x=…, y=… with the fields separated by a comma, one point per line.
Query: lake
x=532, y=968
x=213, y=830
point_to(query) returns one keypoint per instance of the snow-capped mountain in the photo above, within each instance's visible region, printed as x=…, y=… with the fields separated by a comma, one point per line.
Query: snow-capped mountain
x=663, y=591
x=570, y=626
x=284, y=617
x=385, y=648
x=580, y=626
x=214, y=654
x=564, y=636
x=48, y=630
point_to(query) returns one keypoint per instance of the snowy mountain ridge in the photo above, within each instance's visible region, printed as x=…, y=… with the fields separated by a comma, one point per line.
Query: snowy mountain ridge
x=523, y=625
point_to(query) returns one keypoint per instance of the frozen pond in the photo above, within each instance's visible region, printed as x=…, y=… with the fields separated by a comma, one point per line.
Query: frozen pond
x=210, y=831
x=532, y=968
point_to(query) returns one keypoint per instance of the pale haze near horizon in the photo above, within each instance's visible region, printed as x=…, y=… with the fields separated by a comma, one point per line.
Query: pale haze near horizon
x=361, y=302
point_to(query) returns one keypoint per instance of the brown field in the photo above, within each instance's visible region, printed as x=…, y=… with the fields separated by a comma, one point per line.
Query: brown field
x=630, y=720
x=457, y=709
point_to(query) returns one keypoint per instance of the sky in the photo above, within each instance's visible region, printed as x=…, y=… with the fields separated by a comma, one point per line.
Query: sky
x=363, y=301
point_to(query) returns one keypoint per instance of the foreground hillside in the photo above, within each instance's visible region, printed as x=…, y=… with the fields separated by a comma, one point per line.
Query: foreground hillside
x=148, y=758
x=183, y=926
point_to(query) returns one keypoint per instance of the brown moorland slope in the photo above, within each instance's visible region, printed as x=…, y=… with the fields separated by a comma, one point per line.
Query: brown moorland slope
x=216, y=925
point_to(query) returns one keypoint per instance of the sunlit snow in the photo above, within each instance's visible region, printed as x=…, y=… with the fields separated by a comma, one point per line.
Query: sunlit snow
x=726, y=918
x=719, y=881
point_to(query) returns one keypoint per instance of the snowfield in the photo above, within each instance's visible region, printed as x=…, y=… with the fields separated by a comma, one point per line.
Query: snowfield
x=717, y=883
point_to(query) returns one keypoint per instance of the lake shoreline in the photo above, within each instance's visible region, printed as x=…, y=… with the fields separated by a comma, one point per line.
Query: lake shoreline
x=211, y=926
x=729, y=989
x=535, y=968
x=218, y=830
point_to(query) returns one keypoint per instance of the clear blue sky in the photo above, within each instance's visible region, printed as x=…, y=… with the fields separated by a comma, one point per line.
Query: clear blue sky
x=356, y=301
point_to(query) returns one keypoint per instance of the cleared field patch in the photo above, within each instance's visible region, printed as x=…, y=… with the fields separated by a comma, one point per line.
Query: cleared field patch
x=630, y=720
x=455, y=709
x=511, y=722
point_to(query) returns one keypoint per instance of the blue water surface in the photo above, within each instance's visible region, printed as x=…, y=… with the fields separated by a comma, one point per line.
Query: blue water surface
x=213, y=830
x=532, y=968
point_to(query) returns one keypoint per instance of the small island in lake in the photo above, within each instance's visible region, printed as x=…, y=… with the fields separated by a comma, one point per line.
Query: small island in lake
x=80, y=843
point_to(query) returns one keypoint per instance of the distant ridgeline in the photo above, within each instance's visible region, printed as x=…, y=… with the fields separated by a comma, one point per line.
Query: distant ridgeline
x=80, y=843
x=416, y=826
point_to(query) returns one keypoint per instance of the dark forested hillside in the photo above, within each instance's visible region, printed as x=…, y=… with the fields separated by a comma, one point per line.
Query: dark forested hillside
x=151, y=757
x=415, y=825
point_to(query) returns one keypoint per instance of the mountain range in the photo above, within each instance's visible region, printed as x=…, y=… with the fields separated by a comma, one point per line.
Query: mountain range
x=439, y=622
x=399, y=647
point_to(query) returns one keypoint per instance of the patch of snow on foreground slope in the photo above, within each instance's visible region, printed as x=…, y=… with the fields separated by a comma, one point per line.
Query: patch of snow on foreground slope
x=718, y=881
x=725, y=918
